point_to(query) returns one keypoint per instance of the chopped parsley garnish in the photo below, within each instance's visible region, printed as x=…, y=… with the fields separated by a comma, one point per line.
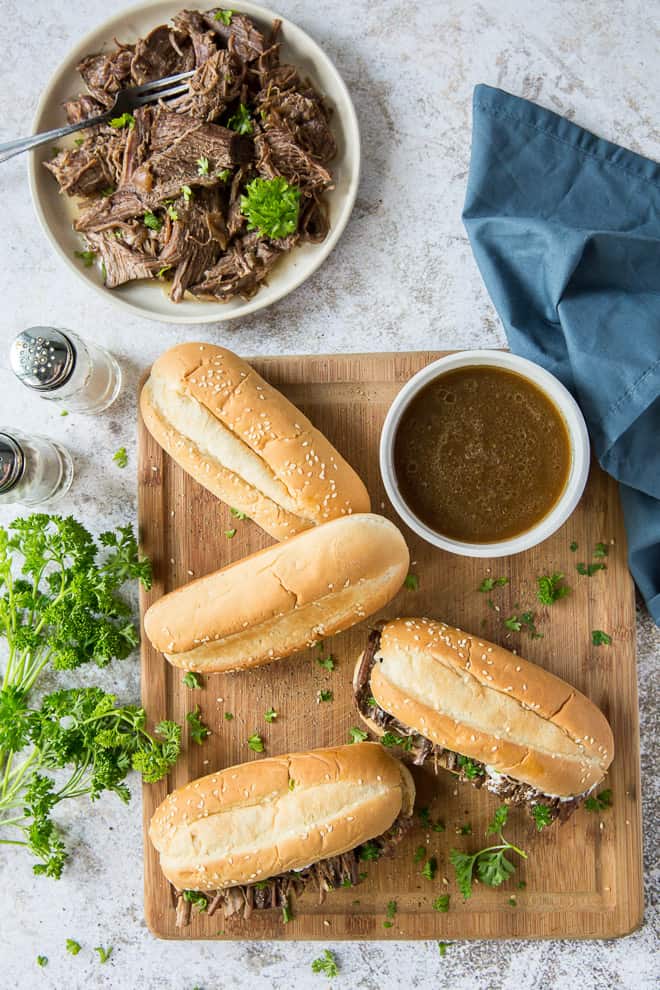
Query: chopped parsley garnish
x=325, y=696
x=270, y=715
x=271, y=207
x=599, y=802
x=392, y=739
x=187, y=193
x=64, y=412
x=425, y=817
x=523, y=621
x=287, y=913
x=224, y=15
x=491, y=865
x=357, y=735
x=600, y=638
x=470, y=769
x=224, y=174
x=411, y=582
x=87, y=257
x=369, y=851
x=104, y=954
x=72, y=947
x=151, y=221
x=108, y=191
x=442, y=948
x=241, y=122
x=465, y=829
x=172, y=213
x=79, y=141
x=42, y=961
x=198, y=731
x=588, y=570
x=601, y=550
x=326, y=964
x=237, y=514
x=230, y=533
x=390, y=912
x=196, y=898
x=542, y=816
x=126, y=120
x=420, y=854
x=228, y=716
x=513, y=623
x=441, y=903
x=489, y=583
x=192, y=680
x=328, y=663
x=573, y=547
x=551, y=588
x=161, y=271
x=120, y=457
x=202, y=166
x=430, y=868
x=256, y=743
x=512, y=901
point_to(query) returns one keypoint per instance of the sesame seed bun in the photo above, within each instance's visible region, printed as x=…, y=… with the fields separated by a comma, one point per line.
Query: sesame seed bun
x=240, y=438
x=478, y=699
x=262, y=818
x=311, y=586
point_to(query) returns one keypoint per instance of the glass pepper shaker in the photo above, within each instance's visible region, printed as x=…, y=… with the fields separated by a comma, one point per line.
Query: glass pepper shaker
x=60, y=366
x=33, y=469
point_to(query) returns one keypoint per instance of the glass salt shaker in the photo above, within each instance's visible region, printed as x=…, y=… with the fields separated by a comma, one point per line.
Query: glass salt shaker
x=33, y=469
x=60, y=366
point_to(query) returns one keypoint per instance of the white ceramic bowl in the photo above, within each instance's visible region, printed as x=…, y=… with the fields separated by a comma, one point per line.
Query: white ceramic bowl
x=148, y=298
x=564, y=402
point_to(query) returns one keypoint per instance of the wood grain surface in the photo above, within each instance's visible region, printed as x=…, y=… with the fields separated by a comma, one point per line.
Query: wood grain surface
x=582, y=879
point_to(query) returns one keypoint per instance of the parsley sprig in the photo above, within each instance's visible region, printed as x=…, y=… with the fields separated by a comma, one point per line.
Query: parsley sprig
x=326, y=964
x=271, y=206
x=551, y=588
x=490, y=864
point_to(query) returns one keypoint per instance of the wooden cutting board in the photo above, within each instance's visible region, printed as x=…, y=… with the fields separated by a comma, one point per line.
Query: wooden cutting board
x=582, y=879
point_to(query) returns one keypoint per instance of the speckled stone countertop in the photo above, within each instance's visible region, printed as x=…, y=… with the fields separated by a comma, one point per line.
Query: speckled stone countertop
x=402, y=277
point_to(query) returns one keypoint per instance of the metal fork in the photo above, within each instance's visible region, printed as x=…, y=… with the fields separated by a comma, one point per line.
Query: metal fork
x=128, y=99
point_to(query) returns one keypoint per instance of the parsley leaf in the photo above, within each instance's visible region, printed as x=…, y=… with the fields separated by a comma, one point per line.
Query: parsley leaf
x=187, y=194
x=161, y=271
x=369, y=851
x=411, y=582
x=224, y=15
x=599, y=802
x=442, y=948
x=441, y=903
x=325, y=696
x=601, y=550
x=465, y=829
x=491, y=865
x=270, y=715
x=228, y=716
x=420, y=854
x=513, y=623
x=287, y=913
x=224, y=174
x=588, y=570
x=489, y=583
x=392, y=739
x=542, y=816
x=172, y=213
x=126, y=120
x=198, y=731
x=192, y=680
x=430, y=868
x=327, y=964
x=271, y=207
x=120, y=457
x=196, y=898
x=241, y=122
x=469, y=768
x=573, y=547
x=600, y=638
x=87, y=257
x=357, y=735
x=551, y=588
x=152, y=221
x=104, y=954
x=202, y=165
x=72, y=947
x=425, y=817
x=230, y=533
x=42, y=961
x=256, y=743
x=328, y=663
x=237, y=514
x=390, y=913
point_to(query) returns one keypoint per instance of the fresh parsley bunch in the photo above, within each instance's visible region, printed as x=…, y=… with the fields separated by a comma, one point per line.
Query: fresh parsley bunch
x=60, y=606
x=491, y=864
x=271, y=207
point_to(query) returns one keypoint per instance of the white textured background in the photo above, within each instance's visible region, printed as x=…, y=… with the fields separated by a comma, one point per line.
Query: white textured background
x=402, y=277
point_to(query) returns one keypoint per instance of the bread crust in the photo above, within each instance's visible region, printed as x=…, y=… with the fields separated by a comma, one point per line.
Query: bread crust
x=253, y=821
x=255, y=430
x=314, y=585
x=478, y=699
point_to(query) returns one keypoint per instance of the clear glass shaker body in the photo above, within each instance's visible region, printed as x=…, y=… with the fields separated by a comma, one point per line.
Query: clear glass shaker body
x=33, y=469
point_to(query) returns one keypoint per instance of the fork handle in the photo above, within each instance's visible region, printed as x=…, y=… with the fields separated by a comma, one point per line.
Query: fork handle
x=12, y=148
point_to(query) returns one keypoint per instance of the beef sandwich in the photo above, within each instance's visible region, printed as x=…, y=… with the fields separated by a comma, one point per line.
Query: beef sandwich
x=281, y=599
x=484, y=713
x=249, y=836
x=244, y=441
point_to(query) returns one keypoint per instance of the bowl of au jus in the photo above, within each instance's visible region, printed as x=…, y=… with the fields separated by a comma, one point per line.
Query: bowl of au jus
x=484, y=453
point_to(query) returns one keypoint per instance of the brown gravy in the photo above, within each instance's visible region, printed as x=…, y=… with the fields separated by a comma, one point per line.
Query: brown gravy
x=481, y=454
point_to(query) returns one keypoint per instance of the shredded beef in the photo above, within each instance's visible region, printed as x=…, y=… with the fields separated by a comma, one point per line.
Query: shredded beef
x=421, y=750
x=345, y=870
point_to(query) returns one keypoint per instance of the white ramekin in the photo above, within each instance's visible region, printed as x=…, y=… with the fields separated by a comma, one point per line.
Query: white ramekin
x=564, y=402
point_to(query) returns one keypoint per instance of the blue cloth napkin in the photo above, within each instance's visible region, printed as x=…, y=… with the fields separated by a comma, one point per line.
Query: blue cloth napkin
x=565, y=228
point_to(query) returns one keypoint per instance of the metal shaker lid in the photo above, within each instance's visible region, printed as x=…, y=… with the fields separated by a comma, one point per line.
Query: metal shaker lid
x=43, y=358
x=12, y=462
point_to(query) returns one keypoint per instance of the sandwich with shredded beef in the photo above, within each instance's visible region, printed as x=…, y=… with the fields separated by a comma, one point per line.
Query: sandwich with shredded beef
x=208, y=191
x=250, y=836
x=461, y=703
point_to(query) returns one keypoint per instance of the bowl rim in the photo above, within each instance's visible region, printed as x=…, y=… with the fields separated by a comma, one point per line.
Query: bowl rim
x=216, y=312
x=561, y=399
